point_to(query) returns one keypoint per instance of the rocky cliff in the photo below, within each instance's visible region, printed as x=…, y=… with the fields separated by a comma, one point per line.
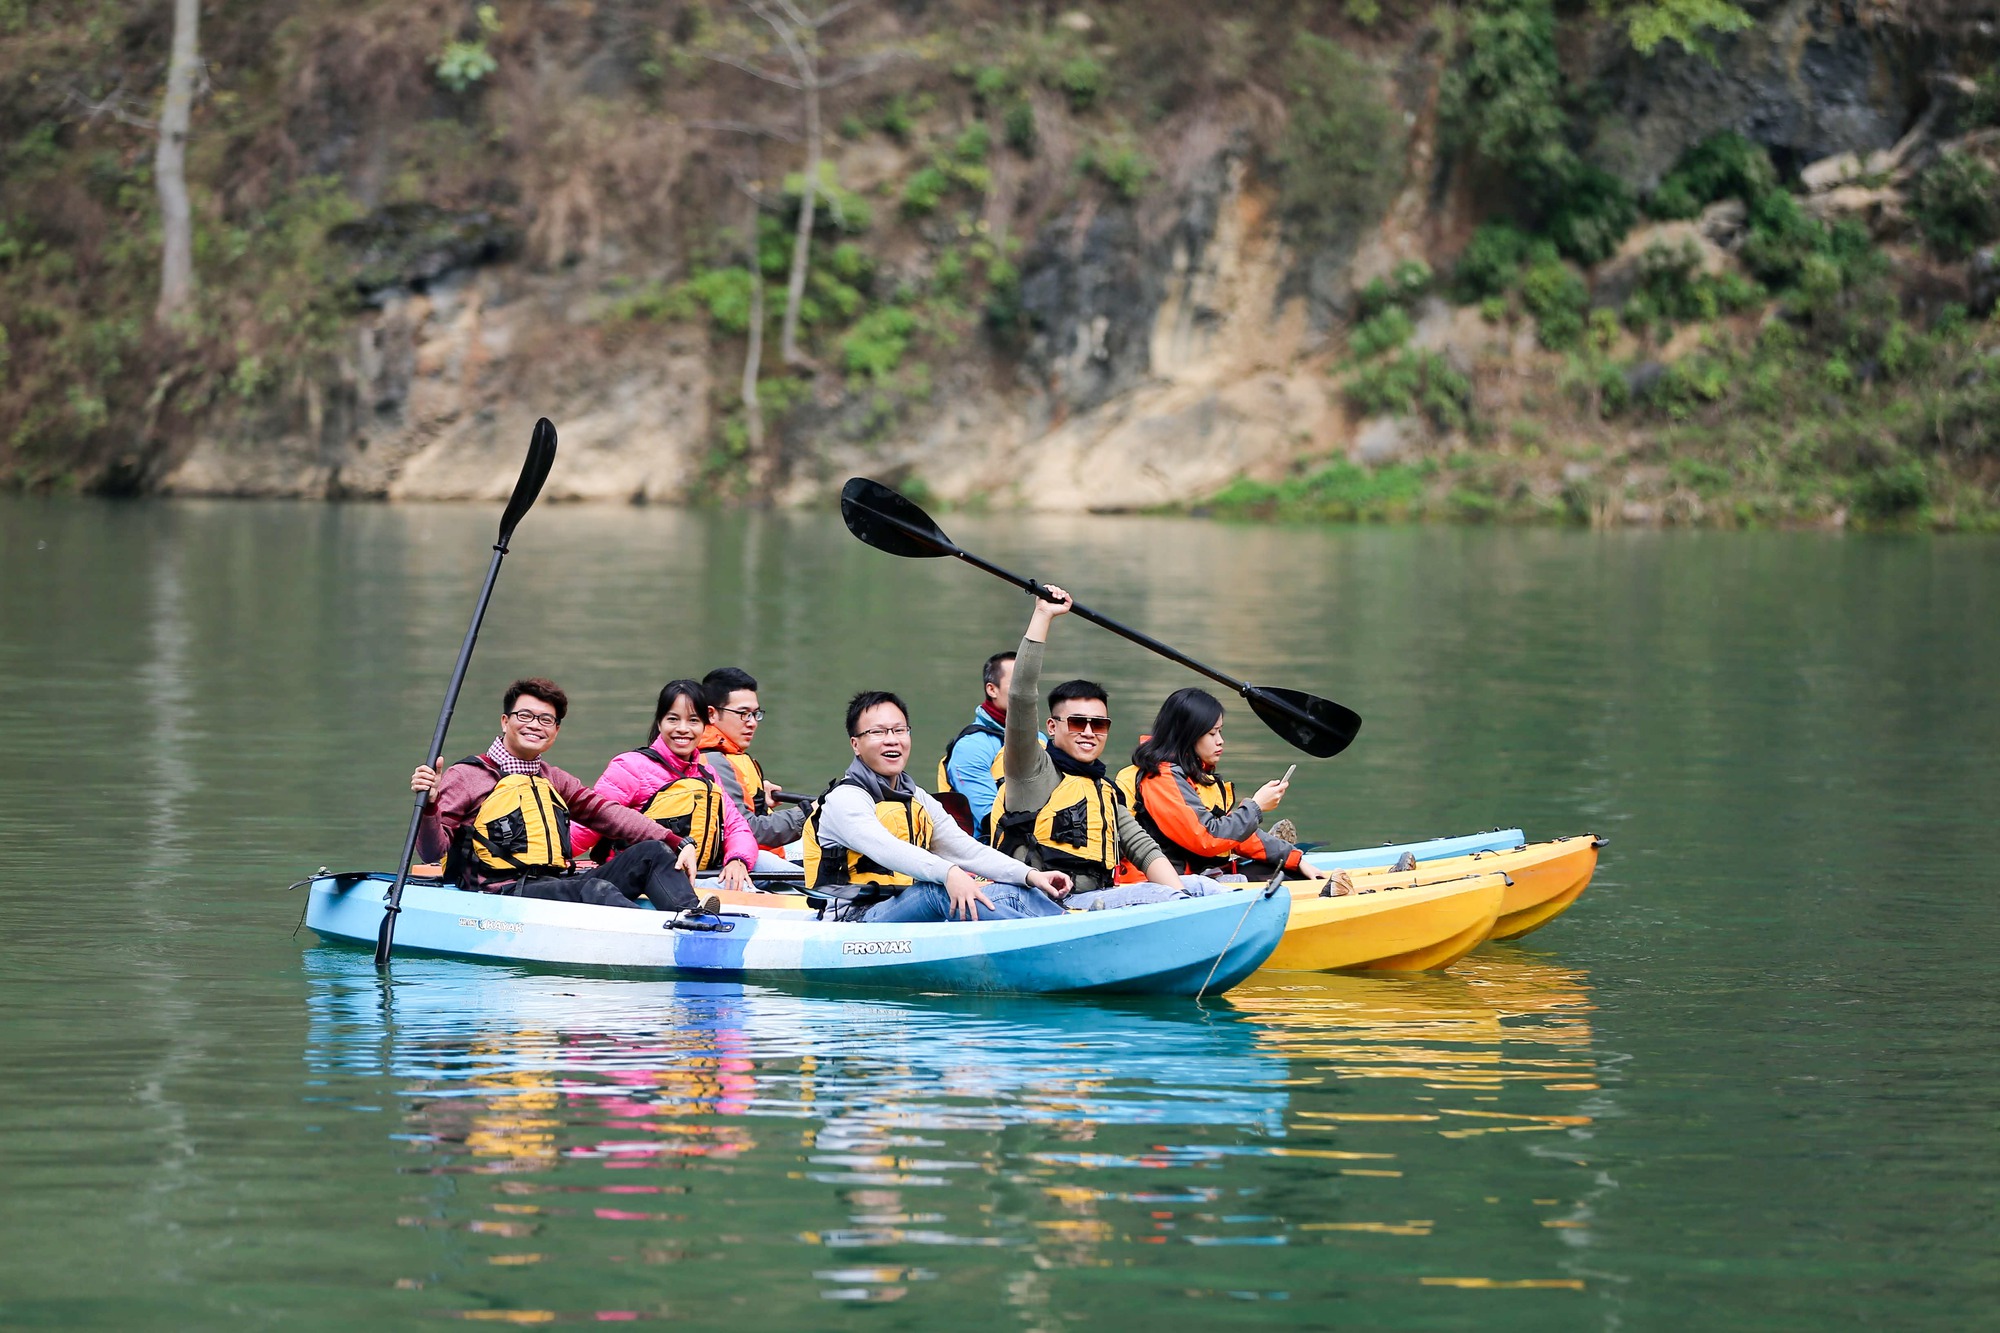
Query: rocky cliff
x=1063, y=259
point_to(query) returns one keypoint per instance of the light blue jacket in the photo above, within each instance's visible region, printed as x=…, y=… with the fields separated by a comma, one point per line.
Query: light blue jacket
x=971, y=766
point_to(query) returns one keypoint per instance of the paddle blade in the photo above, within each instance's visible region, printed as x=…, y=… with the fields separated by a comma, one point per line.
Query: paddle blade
x=889, y=522
x=1320, y=727
x=534, y=471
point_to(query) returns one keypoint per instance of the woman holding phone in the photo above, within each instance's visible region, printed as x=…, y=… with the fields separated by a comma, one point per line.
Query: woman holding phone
x=1192, y=811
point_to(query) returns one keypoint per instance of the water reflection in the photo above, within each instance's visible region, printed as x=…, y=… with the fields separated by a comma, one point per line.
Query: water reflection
x=594, y=1134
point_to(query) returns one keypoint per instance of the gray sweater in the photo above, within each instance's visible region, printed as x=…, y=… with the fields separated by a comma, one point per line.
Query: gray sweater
x=847, y=819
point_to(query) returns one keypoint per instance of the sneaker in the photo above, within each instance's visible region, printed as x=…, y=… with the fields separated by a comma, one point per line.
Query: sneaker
x=714, y=904
x=1407, y=861
x=1285, y=831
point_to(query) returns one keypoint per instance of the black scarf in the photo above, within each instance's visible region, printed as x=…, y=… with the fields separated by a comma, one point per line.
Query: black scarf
x=1075, y=767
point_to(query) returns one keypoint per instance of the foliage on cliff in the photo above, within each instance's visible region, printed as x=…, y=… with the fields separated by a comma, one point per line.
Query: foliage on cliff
x=616, y=158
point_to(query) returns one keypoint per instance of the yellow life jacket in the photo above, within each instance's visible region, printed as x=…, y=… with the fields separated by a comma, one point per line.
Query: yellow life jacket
x=1128, y=785
x=1075, y=831
x=692, y=807
x=521, y=830
x=832, y=867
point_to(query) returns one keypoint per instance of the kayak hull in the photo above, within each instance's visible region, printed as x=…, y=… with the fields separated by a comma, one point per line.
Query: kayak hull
x=1547, y=878
x=1401, y=927
x=1200, y=945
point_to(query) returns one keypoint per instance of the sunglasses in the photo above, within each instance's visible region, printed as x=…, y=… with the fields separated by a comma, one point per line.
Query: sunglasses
x=1078, y=725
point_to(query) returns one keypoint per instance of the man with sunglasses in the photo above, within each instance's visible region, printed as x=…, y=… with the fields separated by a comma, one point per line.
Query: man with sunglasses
x=725, y=748
x=1057, y=808
x=500, y=822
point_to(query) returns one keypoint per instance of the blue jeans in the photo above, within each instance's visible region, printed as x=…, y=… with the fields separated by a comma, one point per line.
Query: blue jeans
x=1132, y=895
x=926, y=900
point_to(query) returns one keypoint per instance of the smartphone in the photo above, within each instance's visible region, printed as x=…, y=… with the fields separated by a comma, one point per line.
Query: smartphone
x=1288, y=773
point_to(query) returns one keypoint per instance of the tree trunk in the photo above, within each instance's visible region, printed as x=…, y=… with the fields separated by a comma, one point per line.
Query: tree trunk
x=170, y=169
x=753, y=360
x=795, y=291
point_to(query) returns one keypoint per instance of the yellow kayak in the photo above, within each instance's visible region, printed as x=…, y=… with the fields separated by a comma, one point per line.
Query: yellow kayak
x=1415, y=921
x=1546, y=878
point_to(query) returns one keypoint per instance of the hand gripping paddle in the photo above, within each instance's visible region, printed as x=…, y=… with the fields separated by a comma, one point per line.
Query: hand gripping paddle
x=534, y=471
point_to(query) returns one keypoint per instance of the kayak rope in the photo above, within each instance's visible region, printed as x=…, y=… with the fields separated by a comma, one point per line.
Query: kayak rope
x=1253, y=897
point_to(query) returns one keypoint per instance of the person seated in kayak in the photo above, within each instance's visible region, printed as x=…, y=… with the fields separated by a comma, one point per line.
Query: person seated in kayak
x=665, y=780
x=1192, y=812
x=882, y=849
x=502, y=821
x=734, y=715
x=969, y=773
x=1056, y=809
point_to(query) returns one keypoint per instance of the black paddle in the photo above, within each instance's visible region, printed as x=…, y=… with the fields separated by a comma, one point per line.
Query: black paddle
x=889, y=522
x=534, y=471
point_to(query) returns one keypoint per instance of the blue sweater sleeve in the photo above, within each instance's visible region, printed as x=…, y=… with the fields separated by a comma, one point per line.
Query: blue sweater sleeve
x=971, y=772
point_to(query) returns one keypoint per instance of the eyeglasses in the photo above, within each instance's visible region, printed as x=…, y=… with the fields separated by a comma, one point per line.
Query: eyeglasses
x=1078, y=725
x=528, y=719
x=885, y=733
x=747, y=714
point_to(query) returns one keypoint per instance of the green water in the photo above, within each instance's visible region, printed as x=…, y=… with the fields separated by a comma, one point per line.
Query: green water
x=1746, y=1082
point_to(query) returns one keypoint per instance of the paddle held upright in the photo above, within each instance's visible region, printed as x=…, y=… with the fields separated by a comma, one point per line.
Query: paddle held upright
x=891, y=522
x=534, y=471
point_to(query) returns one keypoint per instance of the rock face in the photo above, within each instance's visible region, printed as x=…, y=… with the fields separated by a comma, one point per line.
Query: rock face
x=415, y=412
x=1812, y=79
x=1166, y=346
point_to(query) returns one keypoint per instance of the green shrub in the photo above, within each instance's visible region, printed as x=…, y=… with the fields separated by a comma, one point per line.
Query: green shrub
x=874, y=347
x=836, y=208
x=1957, y=203
x=725, y=294
x=1340, y=492
x=992, y=82
x=1555, y=294
x=1722, y=166
x=1081, y=79
x=1490, y=262
x=1341, y=154
x=1122, y=166
x=1591, y=214
x=1409, y=382
x=461, y=64
x=1893, y=490
x=925, y=190
x=894, y=118
x=1389, y=329
x=973, y=145
x=1019, y=127
x=1502, y=95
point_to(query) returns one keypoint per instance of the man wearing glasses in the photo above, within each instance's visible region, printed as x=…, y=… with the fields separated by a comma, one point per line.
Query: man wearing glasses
x=500, y=822
x=1057, y=808
x=881, y=848
x=725, y=748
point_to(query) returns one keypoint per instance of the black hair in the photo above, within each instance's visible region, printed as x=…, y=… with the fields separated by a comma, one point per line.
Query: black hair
x=1185, y=717
x=547, y=691
x=722, y=682
x=868, y=699
x=671, y=693
x=1077, y=689
x=990, y=673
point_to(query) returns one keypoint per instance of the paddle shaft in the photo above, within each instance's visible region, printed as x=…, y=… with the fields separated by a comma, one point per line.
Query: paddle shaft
x=385, y=939
x=1145, y=641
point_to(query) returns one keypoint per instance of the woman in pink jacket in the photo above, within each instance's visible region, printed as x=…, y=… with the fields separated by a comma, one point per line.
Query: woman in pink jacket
x=666, y=780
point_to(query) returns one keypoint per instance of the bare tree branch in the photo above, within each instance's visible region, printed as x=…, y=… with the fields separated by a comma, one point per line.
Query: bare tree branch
x=744, y=127
x=861, y=69
x=783, y=80
x=113, y=105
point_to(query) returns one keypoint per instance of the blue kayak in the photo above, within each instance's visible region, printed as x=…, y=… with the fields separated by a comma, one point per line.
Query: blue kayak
x=1191, y=946
x=1434, y=849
